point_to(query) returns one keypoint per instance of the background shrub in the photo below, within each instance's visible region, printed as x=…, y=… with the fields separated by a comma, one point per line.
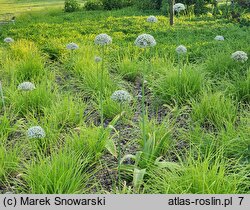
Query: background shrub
x=71, y=6
x=93, y=5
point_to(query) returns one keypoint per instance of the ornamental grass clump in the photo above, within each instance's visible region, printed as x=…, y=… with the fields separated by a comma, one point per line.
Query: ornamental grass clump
x=102, y=40
x=26, y=86
x=36, y=132
x=144, y=41
x=239, y=56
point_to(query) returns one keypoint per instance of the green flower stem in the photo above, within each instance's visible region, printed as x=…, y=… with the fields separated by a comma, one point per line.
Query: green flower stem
x=2, y=97
x=119, y=154
x=143, y=101
x=101, y=86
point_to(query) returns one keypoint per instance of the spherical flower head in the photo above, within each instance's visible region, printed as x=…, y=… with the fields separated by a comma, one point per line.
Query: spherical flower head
x=145, y=40
x=219, y=38
x=152, y=19
x=179, y=7
x=181, y=49
x=72, y=46
x=36, y=132
x=121, y=96
x=103, y=39
x=239, y=56
x=98, y=59
x=8, y=40
x=26, y=86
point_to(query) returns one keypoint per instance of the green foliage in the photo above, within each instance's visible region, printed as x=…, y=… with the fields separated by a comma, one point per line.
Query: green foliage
x=63, y=173
x=9, y=161
x=179, y=88
x=116, y=4
x=71, y=6
x=214, y=110
x=204, y=106
x=93, y=5
x=149, y=4
x=199, y=175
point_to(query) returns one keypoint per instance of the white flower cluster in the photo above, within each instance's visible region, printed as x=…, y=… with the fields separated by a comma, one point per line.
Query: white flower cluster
x=152, y=19
x=8, y=40
x=103, y=39
x=239, y=56
x=181, y=49
x=26, y=86
x=72, y=46
x=219, y=38
x=145, y=40
x=179, y=7
x=121, y=96
x=36, y=132
x=98, y=59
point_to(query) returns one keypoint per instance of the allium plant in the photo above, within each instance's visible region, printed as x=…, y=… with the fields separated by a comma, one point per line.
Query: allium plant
x=180, y=50
x=72, y=46
x=36, y=132
x=144, y=41
x=102, y=40
x=152, y=19
x=239, y=56
x=122, y=97
x=8, y=40
x=178, y=7
x=219, y=38
x=26, y=86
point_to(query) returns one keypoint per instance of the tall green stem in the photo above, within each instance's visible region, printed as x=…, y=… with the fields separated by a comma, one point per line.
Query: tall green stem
x=101, y=86
x=143, y=101
x=1, y=90
x=119, y=154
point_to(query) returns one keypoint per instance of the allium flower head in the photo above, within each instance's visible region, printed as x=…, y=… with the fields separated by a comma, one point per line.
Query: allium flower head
x=98, y=59
x=8, y=40
x=26, y=86
x=239, y=56
x=152, y=19
x=181, y=49
x=72, y=46
x=36, y=132
x=219, y=38
x=103, y=39
x=145, y=40
x=179, y=7
x=121, y=96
